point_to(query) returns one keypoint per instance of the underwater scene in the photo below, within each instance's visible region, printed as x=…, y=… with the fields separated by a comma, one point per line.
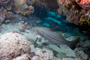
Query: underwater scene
x=44, y=29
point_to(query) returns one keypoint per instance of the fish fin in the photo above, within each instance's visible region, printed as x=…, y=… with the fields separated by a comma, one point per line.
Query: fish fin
x=74, y=43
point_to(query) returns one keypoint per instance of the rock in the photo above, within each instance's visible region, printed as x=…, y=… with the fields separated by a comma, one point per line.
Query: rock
x=12, y=45
x=9, y=15
x=23, y=57
x=79, y=52
x=45, y=54
x=76, y=12
x=36, y=58
x=83, y=4
x=2, y=15
x=4, y=2
x=22, y=8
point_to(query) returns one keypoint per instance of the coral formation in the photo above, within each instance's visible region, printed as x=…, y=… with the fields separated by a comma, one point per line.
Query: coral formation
x=9, y=43
x=14, y=46
x=22, y=8
x=2, y=14
x=9, y=15
x=8, y=9
x=49, y=49
x=76, y=11
x=4, y=2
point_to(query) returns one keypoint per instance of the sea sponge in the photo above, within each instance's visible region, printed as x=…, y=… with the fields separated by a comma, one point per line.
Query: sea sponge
x=13, y=45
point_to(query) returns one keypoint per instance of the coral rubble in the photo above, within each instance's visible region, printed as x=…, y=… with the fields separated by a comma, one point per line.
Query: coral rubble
x=76, y=11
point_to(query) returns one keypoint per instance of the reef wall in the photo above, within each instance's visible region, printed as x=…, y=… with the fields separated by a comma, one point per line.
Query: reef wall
x=8, y=9
x=76, y=11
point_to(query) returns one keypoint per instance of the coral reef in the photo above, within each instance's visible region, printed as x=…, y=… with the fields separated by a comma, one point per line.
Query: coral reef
x=42, y=47
x=76, y=11
x=21, y=7
x=14, y=46
x=9, y=8
x=9, y=15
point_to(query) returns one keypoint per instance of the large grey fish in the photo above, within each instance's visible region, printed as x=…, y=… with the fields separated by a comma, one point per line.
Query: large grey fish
x=53, y=37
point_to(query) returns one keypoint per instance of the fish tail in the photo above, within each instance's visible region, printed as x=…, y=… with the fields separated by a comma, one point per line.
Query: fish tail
x=73, y=44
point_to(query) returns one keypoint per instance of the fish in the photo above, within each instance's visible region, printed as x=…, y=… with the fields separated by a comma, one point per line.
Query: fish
x=33, y=20
x=53, y=37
